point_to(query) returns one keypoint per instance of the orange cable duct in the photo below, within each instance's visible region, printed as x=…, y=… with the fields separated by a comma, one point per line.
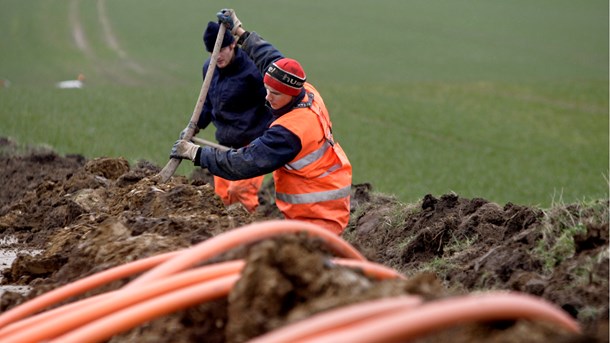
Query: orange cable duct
x=61, y=320
x=166, y=287
x=79, y=287
x=244, y=235
x=58, y=325
x=127, y=318
x=336, y=319
x=112, y=274
x=103, y=329
x=371, y=269
x=436, y=315
x=31, y=323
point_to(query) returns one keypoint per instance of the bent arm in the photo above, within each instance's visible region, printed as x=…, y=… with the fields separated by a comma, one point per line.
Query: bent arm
x=275, y=148
x=259, y=50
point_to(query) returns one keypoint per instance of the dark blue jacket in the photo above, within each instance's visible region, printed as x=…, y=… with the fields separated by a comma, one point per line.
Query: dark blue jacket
x=275, y=148
x=235, y=102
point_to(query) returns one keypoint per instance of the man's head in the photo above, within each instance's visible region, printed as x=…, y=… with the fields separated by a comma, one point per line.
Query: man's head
x=227, y=48
x=284, y=79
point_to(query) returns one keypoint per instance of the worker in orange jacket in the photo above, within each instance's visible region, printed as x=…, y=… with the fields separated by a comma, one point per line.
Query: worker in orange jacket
x=312, y=173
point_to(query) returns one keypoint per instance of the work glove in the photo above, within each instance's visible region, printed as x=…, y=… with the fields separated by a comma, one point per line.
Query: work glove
x=191, y=125
x=229, y=19
x=183, y=149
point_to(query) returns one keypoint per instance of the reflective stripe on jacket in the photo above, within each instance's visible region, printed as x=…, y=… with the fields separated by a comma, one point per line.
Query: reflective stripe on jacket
x=316, y=184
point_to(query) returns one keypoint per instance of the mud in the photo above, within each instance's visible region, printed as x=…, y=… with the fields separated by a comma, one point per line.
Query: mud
x=66, y=217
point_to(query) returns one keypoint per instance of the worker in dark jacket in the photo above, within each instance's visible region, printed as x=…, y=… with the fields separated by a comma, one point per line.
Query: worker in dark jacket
x=235, y=104
x=312, y=173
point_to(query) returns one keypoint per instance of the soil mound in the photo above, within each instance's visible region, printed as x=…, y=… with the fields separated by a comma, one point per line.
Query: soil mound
x=66, y=218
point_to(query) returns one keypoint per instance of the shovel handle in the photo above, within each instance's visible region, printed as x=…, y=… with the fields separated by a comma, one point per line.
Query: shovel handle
x=201, y=141
x=173, y=163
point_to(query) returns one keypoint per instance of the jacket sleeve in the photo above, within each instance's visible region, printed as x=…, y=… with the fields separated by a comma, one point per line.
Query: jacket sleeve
x=205, y=118
x=275, y=148
x=260, y=51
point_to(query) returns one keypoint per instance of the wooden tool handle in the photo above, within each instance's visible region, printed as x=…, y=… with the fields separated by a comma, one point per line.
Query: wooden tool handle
x=171, y=166
x=201, y=141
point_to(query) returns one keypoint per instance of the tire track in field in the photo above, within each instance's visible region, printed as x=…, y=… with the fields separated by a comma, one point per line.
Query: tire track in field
x=111, y=40
x=116, y=73
x=77, y=30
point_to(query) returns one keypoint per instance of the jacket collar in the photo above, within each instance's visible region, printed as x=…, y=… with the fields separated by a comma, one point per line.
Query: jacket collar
x=289, y=106
x=235, y=65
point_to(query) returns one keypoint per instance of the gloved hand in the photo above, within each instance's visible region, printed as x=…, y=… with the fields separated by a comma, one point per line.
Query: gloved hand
x=191, y=125
x=183, y=149
x=229, y=19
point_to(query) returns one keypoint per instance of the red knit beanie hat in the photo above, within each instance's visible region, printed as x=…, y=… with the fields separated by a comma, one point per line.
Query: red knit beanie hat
x=285, y=75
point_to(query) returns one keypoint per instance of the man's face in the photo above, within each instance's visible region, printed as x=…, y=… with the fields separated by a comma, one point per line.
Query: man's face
x=225, y=55
x=276, y=99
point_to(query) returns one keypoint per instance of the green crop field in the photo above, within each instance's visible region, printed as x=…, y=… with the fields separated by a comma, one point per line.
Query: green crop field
x=504, y=100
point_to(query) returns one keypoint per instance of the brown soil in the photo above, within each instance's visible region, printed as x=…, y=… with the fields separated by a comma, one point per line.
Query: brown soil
x=89, y=215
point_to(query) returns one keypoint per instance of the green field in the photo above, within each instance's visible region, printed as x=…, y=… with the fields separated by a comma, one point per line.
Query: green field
x=504, y=100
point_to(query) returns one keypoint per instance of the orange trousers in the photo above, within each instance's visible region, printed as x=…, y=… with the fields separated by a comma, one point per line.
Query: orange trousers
x=332, y=214
x=243, y=191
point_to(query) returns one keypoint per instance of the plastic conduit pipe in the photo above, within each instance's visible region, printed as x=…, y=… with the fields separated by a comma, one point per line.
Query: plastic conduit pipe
x=81, y=286
x=62, y=319
x=273, y=228
x=105, y=328
x=116, y=273
x=244, y=235
x=371, y=269
x=68, y=320
x=337, y=318
x=127, y=318
x=436, y=315
x=31, y=323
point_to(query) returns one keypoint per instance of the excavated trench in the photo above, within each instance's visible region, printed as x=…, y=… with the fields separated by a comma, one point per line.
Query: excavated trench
x=63, y=218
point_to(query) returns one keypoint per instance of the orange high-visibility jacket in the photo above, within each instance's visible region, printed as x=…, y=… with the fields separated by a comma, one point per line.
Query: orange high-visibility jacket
x=315, y=186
